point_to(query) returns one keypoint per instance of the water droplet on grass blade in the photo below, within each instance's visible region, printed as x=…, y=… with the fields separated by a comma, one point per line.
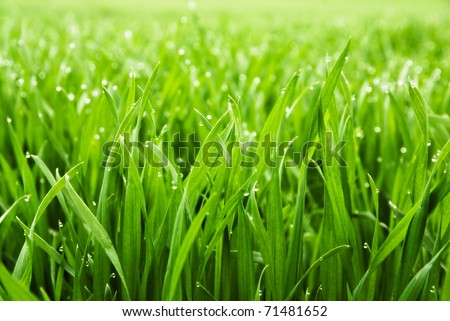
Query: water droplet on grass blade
x=128, y=34
x=27, y=198
x=377, y=129
x=27, y=154
x=392, y=205
x=403, y=150
x=192, y=5
x=9, y=120
x=20, y=82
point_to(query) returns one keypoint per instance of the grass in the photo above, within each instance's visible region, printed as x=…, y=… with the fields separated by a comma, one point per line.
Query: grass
x=369, y=221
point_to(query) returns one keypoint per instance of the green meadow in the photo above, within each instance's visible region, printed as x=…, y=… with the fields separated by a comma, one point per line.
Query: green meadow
x=240, y=150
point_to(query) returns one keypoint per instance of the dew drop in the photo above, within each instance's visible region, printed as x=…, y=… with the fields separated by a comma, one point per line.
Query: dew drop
x=159, y=174
x=192, y=5
x=71, y=96
x=27, y=154
x=113, y=275
x=9, y=120
x=429, y=143
x=366, y=185
x=174, y=187
x=377, y=130
x=60, y=224
x=20, y=82
x=200, y=124
x=27, y=199
x=61, y=248
x=197, y=284
x=365, y=245
x=58, y=88
x=128, y=34
x=246, y=194
x=379, y=159
x=283, y=90
x=209, y=117
x=403, y=150
x=392, y=205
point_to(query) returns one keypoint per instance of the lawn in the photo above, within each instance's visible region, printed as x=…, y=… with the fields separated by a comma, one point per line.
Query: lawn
x=253, y=150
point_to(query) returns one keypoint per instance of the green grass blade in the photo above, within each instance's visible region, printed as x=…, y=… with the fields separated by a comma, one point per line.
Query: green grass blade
x=101, y=236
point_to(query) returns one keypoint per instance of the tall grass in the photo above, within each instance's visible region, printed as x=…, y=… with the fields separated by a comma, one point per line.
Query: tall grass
x=77, y=92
